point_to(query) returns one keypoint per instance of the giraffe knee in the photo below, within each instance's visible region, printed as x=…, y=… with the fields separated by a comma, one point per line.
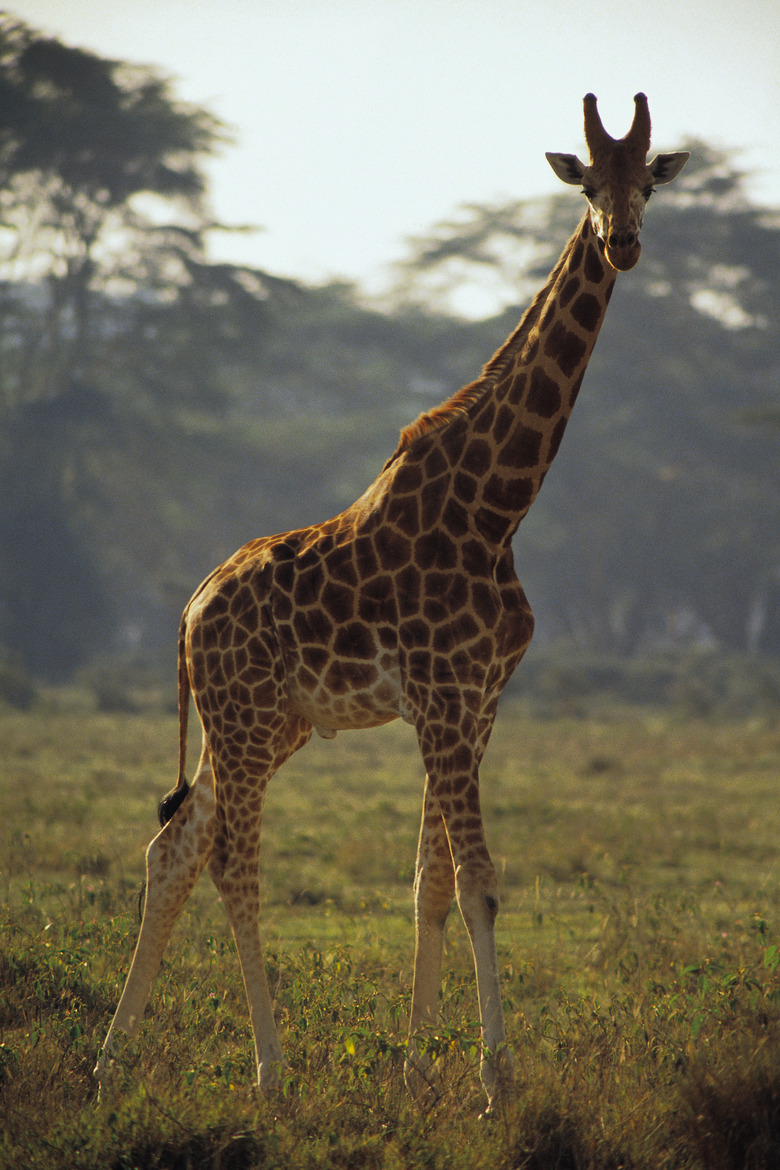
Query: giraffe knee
x=434, y=890
x=478, y=892
x=218, y=865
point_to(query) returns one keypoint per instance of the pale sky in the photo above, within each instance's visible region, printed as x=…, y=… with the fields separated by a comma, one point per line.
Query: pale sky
x=360, y=123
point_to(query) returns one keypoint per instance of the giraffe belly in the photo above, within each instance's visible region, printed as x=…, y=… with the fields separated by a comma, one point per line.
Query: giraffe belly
x=348, y=696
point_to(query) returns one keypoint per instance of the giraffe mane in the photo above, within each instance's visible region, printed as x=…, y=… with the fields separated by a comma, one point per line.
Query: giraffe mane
x=433, y=420
x=461, y=402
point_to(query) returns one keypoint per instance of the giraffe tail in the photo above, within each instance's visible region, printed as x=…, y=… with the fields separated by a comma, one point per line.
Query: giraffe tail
x=171, y=801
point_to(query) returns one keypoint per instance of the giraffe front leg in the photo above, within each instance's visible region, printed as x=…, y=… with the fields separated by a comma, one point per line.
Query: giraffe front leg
x=174, y=861
x=452, y=746
x=477, y=895
x=434, y=890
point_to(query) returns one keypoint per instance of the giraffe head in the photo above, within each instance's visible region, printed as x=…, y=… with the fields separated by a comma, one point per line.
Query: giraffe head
x=618, y=181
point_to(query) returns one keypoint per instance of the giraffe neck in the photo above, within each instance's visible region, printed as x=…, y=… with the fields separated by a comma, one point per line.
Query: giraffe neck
x=501, y=433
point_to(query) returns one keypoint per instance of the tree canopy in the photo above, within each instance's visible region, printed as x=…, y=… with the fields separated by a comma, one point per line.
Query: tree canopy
x=102, y=302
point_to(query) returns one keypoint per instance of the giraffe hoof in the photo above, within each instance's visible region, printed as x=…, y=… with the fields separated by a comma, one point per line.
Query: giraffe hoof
x=497, y=1073
x=270, y=1074
x=105, y=1074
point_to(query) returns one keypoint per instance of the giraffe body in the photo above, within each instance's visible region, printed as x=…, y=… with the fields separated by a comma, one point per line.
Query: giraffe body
x=405, y=605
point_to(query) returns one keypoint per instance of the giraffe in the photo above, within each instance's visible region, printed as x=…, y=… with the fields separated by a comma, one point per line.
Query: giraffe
x=406, y=605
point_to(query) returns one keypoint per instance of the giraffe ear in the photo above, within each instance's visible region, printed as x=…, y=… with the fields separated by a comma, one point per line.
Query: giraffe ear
x=666, y=167
x=567, y=167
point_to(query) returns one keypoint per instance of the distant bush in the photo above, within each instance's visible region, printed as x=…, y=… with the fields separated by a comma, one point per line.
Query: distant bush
x=16, y=688
x=567, y=681
x=727, y=685
x=127, y=685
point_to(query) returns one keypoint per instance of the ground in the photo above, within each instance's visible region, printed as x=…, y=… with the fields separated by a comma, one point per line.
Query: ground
x=638, y=941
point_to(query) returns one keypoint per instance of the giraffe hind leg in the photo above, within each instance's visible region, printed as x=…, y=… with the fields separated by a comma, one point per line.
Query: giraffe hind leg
x=174, y=861
x=238, y=883
x=234, y=870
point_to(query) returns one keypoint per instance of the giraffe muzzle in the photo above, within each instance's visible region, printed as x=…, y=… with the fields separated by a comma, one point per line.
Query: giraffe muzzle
x=622, y=249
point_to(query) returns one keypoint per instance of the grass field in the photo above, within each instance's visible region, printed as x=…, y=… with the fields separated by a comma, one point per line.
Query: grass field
x=638, y=939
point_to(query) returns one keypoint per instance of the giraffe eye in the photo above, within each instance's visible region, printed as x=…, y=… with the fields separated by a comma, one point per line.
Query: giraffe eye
x=588, y=192
x=648, y=191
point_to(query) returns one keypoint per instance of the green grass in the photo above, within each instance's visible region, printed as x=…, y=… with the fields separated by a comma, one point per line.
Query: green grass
x=638, y=941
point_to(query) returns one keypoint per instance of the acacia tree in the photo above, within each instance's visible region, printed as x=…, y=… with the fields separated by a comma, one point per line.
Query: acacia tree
x=83, y=141
x=112, y=325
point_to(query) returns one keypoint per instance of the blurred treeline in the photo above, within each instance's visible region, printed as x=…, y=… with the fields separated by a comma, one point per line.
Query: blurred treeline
x=157, y=410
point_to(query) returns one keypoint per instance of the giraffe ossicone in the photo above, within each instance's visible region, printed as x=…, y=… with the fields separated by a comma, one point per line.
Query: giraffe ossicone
x=405, y=605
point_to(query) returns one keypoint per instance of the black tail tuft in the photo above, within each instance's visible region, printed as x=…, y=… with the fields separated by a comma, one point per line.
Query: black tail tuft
x=170, y=802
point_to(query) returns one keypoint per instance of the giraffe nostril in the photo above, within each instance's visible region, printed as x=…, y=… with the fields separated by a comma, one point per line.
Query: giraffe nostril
x=623, y=239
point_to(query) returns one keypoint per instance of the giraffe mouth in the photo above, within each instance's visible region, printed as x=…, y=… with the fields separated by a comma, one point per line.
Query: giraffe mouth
x=623, y=258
